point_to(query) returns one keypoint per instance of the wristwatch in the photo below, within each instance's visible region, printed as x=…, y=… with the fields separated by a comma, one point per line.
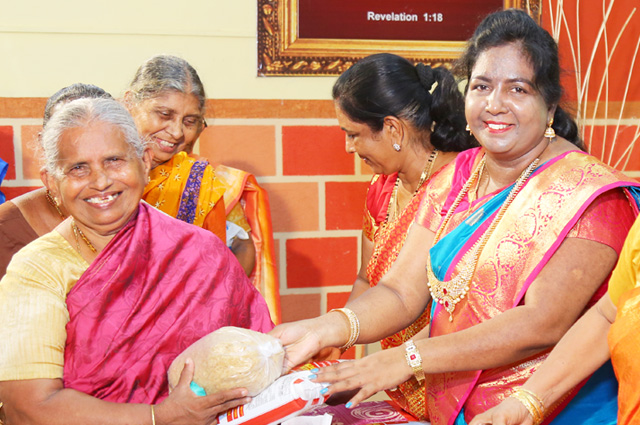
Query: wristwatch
x=414, y=360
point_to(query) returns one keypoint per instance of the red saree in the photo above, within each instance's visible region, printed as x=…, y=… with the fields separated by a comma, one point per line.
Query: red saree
x=388, y=239
x=150, y=294
x=541, y=216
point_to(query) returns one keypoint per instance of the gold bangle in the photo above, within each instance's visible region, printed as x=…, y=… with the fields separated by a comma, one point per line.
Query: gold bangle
x=354, y=327
x=414, y=360
x=532, y=402
x=153, y=416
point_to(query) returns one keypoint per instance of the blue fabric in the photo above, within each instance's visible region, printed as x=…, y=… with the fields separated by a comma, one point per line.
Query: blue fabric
x=443, y=252
x=460, y=419
x=635, y=192
x=3, y=172
x=596, y=403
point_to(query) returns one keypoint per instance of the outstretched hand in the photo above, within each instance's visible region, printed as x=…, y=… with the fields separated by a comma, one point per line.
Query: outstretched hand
x=509, y=412
x=183, y=407
x=380, y=371
x=300, y=340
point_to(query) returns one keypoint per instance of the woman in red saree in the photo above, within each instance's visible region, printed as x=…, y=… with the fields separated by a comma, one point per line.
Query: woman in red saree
x=514, y=242
x=96, y=310
x=406, y=122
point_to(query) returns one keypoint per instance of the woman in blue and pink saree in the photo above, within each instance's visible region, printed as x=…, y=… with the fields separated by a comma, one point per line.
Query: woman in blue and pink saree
x=512, y=243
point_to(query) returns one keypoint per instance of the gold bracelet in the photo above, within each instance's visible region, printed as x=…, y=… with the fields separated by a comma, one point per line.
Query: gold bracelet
x=153, y=416
x=414, y=359
x=354, y=327
x=532, y=402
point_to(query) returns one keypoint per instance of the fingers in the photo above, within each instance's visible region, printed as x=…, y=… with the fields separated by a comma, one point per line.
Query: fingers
x=186, y=376
x=481, y=419
x=225, y=400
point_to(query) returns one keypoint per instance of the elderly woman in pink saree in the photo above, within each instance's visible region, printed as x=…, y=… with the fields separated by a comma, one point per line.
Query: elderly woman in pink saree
x=96, y=310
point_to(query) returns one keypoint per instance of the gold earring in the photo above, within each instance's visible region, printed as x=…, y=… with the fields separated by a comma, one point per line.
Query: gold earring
x=550, y=133
x=467, y=128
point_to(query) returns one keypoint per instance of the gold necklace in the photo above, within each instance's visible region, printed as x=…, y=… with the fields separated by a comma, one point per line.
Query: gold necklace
x=449, y=293
x=77, y=231
x=426, y=173
x=53, y=203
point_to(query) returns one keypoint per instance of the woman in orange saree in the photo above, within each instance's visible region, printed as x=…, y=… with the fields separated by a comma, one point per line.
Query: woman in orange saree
x=167, y=100
x=406, y=122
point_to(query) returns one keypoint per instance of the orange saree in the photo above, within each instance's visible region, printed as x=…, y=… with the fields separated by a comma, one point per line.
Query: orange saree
x=388, y=239
x=624, y=339
x=243, y=188
x=188, y=190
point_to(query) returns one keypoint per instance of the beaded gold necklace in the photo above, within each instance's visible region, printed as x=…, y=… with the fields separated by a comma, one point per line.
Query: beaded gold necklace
x=449, y=293
x=426, y=173
x=53, y=203
x=77, y=232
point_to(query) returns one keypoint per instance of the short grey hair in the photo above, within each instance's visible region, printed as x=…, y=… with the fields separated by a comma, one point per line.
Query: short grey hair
x=81, y=113
x=165, y=72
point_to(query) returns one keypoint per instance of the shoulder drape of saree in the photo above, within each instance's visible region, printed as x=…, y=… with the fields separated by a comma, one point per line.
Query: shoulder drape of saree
x=184, y=188
x=243, y=187
x=149, y=295
x=523, y=242
x=388, y=242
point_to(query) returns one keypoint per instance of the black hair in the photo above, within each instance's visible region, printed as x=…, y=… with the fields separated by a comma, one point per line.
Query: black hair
x=516, y=26
x=72, y=92
x=385, y=84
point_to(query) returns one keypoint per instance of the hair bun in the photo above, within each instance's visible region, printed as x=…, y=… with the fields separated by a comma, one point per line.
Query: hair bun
x=426, y=75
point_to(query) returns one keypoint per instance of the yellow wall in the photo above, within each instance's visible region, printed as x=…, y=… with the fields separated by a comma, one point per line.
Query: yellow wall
x=46, y=45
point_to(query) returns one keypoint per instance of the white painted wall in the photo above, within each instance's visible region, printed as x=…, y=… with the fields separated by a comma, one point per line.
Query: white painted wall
x=46, y=45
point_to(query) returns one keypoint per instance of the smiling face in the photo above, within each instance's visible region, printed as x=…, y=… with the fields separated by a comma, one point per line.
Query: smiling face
x=505, y=111
x=375, y=148
x=101, y=179
x=169, y=121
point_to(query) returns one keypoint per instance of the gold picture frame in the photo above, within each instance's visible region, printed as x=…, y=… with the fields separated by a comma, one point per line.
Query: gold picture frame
x=282, y=53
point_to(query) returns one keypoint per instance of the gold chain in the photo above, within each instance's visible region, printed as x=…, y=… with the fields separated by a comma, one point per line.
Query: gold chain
x=53, y=203
x=449, y=293
x=426, y=173
x=77, y=231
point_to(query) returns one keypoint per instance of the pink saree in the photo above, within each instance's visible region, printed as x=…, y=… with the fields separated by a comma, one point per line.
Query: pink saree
x=150, y=294
x=541, y=216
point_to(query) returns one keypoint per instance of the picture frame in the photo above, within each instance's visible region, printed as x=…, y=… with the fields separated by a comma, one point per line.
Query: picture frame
x=304, y=38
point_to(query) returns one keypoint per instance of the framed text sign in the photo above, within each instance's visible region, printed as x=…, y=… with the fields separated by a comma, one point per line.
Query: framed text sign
x=325, y=37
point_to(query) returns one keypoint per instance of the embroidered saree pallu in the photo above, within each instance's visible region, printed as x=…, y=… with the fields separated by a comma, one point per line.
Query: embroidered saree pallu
x=388, y=239
x=541, y=209
x=186, y=188
x=150, y=294
x=243, y=188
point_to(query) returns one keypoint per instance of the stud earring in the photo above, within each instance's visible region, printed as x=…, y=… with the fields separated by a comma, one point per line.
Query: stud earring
x=550, y=133
x=467, y=128
x=397, y=147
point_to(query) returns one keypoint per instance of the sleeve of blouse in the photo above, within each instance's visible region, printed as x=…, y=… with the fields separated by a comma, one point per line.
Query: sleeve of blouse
x=607, y=220
x=34, y=319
